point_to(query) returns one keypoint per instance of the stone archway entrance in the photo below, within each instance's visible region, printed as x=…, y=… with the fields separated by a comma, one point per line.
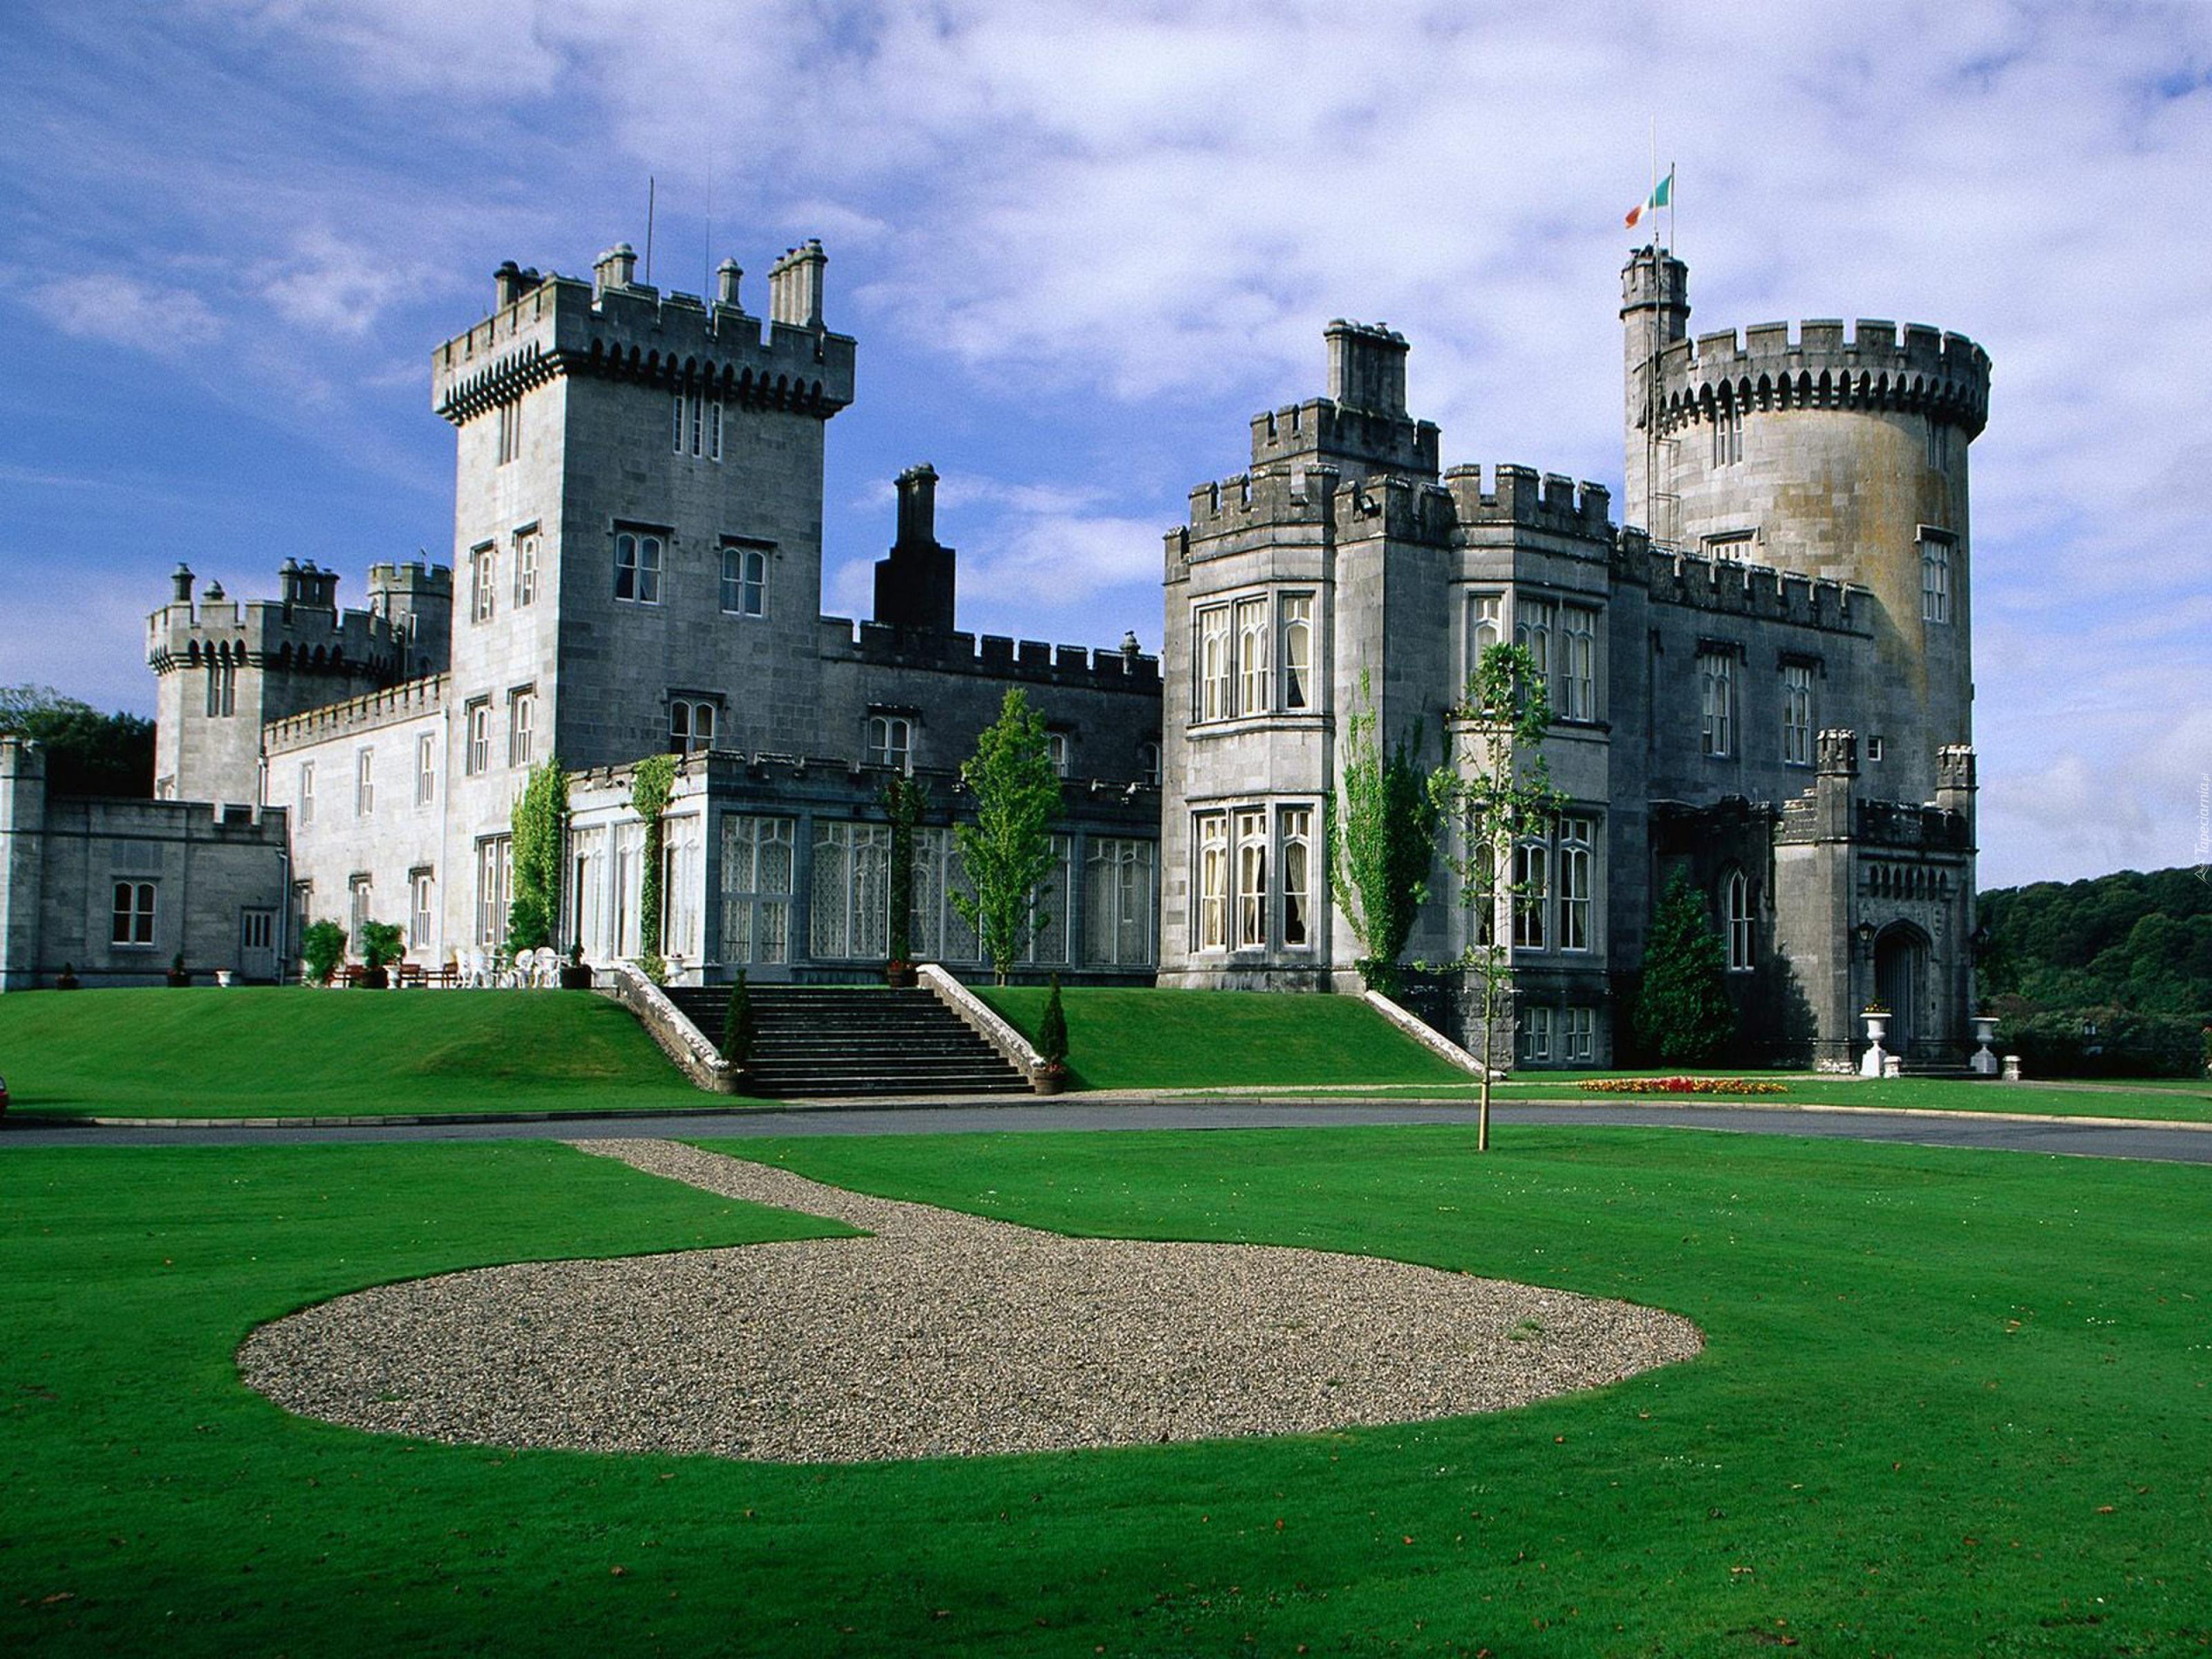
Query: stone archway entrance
x=1900, y=979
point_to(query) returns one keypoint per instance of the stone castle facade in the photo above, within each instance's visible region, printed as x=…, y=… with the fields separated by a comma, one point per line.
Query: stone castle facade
x=1761, y=676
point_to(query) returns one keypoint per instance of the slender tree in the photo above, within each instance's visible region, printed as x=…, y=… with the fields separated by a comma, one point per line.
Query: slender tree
x=1007, y=851
x=1381, y=841
x=904, y=801
x=1499, y=798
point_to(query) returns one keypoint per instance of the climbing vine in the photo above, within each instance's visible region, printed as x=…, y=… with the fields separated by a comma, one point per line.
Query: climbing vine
x=540, y=821
x=652, y=780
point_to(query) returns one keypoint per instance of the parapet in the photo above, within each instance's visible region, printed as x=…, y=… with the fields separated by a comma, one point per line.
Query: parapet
x=406, y=700
x=1254, y=501
x=1736, y=588
x=1518, y=495
x=1921, y=368
x=614, y=327
x=1321, y=432
x=302, y=632
x=1120, y=668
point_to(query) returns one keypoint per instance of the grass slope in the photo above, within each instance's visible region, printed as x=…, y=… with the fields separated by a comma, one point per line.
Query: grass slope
x=1138, y=1039
x=258, y=1053
x=1952, y=1402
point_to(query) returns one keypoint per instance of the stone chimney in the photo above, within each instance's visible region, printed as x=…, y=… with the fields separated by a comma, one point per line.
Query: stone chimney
x=616, y=268
x=726, y=279
x=1367, y=369
x=181, y=585
x=794, y=287
x=914, y=585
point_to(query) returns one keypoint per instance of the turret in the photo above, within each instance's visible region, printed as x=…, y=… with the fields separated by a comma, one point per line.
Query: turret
x=1655, y=313
x=1834, y=454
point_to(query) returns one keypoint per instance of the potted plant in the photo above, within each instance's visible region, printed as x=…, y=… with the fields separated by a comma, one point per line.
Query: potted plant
x=322, y=947
x=1051, y=1074
x=179, y=974
x=381, y=942
x=67, y=980
x=577, y=973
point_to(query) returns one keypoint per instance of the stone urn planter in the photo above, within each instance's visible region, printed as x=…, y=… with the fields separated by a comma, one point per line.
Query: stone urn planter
x=1049, y=1079
x=1872, y=1063
x=1984, y=1061
x=902, y=975
x=222, y=977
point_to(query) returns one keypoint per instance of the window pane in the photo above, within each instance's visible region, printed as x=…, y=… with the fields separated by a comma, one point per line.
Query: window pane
x=1298, y=650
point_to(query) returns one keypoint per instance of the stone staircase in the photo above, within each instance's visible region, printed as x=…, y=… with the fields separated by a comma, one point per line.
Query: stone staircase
x=839, y=1040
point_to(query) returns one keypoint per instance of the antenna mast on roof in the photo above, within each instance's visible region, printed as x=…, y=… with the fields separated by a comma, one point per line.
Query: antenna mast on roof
x=649, y=230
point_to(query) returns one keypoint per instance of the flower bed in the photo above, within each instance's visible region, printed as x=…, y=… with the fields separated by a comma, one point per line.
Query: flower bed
x=1683, y=1085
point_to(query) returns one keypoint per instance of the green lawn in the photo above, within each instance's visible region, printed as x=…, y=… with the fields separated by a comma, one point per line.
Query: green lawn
x=270, y=1053
x=1952, y=1402
x=1138, y=1039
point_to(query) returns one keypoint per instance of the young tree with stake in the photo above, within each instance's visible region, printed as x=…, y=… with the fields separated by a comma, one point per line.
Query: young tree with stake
x=1498, y=795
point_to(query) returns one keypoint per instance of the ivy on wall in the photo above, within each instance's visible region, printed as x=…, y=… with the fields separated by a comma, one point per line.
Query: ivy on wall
x=540, y=823
x=652, y=780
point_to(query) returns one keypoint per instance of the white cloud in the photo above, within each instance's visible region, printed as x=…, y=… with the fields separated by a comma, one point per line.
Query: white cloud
x=1136, y=218
x=325, y=282
x=116, y=308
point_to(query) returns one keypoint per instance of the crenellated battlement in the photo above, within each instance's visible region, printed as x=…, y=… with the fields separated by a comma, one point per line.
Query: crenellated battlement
x=1765, y=366
x=303, y=632
x=1104, y=668
x=1249, y=500
x=614, y=327
x=1320, y=430
x=1736, y=588
x=409, y=700
x=1399, y=509
x=1518, y=495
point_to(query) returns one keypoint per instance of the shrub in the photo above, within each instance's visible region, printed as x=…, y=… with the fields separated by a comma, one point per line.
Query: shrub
x=1682, y=1007
x=1052, y=1029
x=322, y=947
x=2106, y=1042
x=738, y=1024
x=381, y=942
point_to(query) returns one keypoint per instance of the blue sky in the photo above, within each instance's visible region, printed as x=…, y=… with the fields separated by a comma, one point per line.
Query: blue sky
x=1081, y=244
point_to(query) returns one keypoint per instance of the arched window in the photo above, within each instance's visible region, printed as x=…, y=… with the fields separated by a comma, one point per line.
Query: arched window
x=1737, y=898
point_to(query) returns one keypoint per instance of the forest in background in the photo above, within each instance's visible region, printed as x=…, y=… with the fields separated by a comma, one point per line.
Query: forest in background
x=2108, y=976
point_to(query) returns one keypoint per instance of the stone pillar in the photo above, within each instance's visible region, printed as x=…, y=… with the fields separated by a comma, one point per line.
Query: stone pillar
x=22, y=860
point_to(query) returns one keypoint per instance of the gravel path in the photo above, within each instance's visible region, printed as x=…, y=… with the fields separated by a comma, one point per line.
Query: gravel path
x=940, y=1333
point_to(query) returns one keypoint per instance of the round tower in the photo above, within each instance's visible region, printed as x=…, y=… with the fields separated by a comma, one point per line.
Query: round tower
x=1830, y=454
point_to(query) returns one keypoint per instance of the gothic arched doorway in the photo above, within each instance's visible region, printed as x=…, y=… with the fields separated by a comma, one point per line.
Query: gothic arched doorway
x=1900, y=980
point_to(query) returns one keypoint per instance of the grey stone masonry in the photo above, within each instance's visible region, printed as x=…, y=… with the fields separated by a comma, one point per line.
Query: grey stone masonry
x=1793, y=575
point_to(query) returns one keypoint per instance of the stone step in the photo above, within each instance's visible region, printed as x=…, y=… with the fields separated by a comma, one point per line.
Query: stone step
x=853, y=1040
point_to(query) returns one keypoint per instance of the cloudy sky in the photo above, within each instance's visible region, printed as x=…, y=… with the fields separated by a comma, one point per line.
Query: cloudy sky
x=1081, y=242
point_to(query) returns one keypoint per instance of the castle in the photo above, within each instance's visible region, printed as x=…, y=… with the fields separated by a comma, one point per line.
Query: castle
x=1762, y=676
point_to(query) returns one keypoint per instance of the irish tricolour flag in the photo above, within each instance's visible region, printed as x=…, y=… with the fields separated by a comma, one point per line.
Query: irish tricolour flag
x=1662, y=193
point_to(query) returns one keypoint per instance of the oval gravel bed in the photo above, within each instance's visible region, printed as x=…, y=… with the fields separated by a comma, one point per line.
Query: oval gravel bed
x=938, y=1334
